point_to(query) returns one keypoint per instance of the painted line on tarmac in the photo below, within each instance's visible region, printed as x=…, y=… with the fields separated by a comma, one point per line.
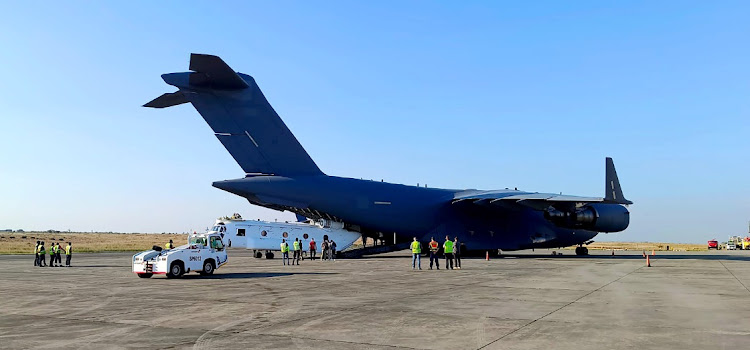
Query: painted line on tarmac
x=560, y=308
x=735, y=277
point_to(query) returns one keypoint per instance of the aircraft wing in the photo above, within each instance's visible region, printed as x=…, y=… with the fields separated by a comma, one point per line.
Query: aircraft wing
x=541, y=201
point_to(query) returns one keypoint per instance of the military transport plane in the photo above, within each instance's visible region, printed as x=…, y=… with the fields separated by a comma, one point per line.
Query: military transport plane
x=279, y=174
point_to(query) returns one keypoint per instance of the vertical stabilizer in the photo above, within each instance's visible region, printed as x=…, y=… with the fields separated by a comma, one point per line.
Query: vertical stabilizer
x=612, y=190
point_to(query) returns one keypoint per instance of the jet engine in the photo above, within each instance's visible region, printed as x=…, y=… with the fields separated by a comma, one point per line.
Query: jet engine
x=592, y=217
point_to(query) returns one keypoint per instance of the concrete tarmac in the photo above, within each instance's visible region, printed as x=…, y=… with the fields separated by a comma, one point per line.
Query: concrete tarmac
x=524, y=301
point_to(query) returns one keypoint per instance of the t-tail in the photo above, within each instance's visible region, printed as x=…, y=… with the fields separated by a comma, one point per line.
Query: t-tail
x=240, y=116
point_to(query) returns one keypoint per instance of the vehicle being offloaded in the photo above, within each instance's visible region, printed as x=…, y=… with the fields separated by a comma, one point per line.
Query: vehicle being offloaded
x=204, y=253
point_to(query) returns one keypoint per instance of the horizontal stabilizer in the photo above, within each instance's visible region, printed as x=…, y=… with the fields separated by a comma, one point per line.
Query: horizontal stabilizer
x=167, y=100
x=213, y=72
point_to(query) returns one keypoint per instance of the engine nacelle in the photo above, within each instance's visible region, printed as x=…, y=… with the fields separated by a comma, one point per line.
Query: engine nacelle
x=593, y=217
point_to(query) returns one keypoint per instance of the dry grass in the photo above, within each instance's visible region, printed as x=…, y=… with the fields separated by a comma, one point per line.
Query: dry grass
x=86, y=242
x=647, y=246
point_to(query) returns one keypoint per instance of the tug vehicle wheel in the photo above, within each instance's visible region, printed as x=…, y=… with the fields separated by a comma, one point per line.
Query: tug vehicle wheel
x=208, y=268
x=176, y=270
x=145, y=275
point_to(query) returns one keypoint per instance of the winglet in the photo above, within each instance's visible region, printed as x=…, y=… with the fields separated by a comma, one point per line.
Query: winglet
x=612, y=190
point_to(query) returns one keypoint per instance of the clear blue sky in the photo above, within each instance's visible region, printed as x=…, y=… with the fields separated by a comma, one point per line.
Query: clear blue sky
x=454, y=94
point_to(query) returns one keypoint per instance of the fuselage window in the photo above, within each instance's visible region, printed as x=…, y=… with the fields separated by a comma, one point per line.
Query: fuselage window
x=305, y=236
x=240, y=232
x=286, y=235
x=263, y=233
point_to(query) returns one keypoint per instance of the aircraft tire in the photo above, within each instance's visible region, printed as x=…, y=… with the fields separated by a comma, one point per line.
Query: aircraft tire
x=269, y=255
x=145, y=275
x=258, y=255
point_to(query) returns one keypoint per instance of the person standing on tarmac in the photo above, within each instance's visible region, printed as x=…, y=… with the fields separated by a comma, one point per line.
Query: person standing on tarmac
x=41, y=253
x=297, y=250
x=448, y=251
x=416, y=252
x=284, y=252
x=51, y=252
x=169, y=245
x=434, y=248
x=324, y=250
x=68, y=252
x=312, y=248
x=457, y=252
x=36, y=254
x=58, y=255
x=333, y=250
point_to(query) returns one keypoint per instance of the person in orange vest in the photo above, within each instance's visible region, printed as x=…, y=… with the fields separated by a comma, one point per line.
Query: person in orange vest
x=434, y=248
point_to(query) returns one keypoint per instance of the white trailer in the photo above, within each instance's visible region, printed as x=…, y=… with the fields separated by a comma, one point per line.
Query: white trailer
x=264, y=236
x=204, y=253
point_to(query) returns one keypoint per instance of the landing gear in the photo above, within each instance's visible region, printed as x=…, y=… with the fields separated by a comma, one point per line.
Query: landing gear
x=257, y=254
x=269, y=255
x=581, y=250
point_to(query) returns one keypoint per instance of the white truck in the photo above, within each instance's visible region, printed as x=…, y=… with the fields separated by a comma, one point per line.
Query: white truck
x=204, y=253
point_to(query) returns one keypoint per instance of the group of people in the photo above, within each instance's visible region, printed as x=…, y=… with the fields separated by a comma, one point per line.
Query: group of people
x=451, y=251
x=327, y=251
x=55, y=254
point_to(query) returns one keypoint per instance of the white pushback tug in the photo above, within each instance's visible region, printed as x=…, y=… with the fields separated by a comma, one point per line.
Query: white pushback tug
x=204, y=253
x=264, y=236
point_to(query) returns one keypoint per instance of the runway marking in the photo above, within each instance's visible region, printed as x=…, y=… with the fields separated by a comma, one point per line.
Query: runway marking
x=735, y=277
x=560, y=308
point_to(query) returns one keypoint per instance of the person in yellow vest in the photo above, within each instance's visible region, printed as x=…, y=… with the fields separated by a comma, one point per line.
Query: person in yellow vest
x=284, y=252
x=51, y=252
x=297, y=246
x=68, y=252
x=416, y=251
x=434, y=248
x=41, y=252
x=170, y=245
x=58, y=255
x=448, y=251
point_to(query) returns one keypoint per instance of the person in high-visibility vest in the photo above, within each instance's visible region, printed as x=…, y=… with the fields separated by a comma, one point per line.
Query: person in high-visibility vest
x=41, y=252
x=457, y=252
x=284, y=252
x=58, y=255
x=36, y=254
x=416, y=251
x=297, y=245
x=51, y=252
x=434, y=248
x=169, y=245
x=68, y=252
x=448, y=251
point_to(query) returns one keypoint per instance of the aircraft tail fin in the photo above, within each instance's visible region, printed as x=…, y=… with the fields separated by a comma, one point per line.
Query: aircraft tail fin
x=239, y=114
x=612, y=190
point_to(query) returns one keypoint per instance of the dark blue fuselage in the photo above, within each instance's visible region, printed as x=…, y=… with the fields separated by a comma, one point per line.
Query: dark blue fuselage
x=407, y=211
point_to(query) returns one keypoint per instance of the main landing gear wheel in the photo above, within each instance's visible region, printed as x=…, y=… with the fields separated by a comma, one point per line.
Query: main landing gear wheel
x=145, y=275
x=175, y=270
x=258, y=255
x=582, y=250
x=269, y=255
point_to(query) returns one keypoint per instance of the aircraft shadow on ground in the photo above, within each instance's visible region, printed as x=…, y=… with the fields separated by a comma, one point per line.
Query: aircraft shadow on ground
x=246, y=275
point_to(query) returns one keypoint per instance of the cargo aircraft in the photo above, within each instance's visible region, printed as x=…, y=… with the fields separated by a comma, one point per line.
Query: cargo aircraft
x=279, y=174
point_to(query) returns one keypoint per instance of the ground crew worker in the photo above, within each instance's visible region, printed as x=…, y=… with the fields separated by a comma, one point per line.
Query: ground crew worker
x=51, y=252
x=434, y=248
x=41, y=252
x=457, y=252
x=284, y=252
x=332, y=246
x=416, y=252
x=68, y=252
x=313, y=247
x=169, y=245
x=297, y=250
x=448, y=251
x=324, y=250
x=36, y=254
x=58, y=254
